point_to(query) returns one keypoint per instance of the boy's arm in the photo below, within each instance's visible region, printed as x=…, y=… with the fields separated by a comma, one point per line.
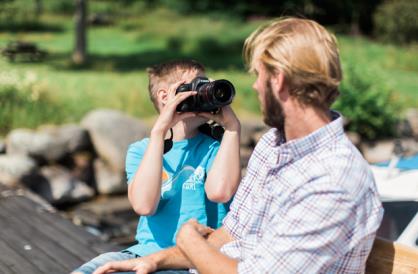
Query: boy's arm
x=225, y=173
x=145, y=189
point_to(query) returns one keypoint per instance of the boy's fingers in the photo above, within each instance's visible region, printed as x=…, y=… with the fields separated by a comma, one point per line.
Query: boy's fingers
x=182, y=96
x=172, y=89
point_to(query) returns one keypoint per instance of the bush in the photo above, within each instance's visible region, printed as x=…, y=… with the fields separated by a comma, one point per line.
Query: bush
x=369, y=106
x=25, y=102
x=396, y=21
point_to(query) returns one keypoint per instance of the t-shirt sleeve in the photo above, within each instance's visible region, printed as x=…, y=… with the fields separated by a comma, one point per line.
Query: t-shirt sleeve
x=133, y=158
x=214, y=148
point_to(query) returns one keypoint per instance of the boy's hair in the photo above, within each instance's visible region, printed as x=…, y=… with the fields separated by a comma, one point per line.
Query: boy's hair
x=305, y=52
x=162, y=75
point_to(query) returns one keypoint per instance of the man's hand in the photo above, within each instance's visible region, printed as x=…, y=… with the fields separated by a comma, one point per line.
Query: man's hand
x=141, y=265
x=168, y=114
x=192, y=229
x=225, y=117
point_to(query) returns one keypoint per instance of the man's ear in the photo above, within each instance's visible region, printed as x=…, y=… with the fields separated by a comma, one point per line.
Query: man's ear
x=162, y=97
x=278, y=83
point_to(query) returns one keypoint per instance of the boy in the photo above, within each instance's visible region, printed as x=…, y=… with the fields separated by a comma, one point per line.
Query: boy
x=195, y=179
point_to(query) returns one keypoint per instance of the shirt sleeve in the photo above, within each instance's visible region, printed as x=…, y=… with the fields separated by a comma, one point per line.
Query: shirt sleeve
x=315, y=228
x=133, y=159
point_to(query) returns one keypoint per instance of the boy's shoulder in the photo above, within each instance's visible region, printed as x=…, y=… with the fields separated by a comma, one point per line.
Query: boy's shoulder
x=139, y=145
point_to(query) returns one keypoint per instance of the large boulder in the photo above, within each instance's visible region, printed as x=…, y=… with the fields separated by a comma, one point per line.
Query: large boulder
x=56, y=185
x=45, y=145
x=14, y=167
x=75, y=137
x=48, y=143
x=109, y=181
x=111, y=133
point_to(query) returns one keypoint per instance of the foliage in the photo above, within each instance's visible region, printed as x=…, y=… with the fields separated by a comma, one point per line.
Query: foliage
x=368, y=104
x=397, y=21
x=24, y=102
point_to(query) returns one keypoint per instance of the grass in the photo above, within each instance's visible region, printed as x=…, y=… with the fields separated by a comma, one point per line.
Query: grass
x=115, y=76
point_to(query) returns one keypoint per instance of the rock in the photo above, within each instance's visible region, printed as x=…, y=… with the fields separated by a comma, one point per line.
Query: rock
x=409, y=146
x=245, y=155
x=411, y=117
x=108, y=181
x=56, y=185
x=248, y=129
x=378, y=152
x=14, y=167
x=82, y=168
x=2, y=146
x=111, y=133
x=45, y=145
x=383, y=150
x=111, y=215
x=75, y=137
x=354, y=137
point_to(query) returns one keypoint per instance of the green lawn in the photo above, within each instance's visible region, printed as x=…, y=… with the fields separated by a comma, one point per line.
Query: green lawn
x=115, y=76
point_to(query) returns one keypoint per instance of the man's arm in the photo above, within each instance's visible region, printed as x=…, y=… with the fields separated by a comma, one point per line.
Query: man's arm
x=171, y=258
x=205, y=255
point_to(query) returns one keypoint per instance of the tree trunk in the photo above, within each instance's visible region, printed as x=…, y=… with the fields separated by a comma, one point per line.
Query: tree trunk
x=38, y=8
x=80, y=50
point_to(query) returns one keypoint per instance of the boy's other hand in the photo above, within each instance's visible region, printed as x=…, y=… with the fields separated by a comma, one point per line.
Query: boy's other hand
x=225, y=117
x=168, y=114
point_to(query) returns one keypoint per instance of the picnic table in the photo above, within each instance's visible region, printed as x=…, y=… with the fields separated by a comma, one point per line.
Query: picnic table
x=25, y=50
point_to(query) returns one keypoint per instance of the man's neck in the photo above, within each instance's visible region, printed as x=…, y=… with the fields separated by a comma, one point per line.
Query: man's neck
x=302, y=121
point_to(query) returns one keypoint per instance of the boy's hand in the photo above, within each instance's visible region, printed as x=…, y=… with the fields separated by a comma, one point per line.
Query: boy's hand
x=225, y=117
x=139, y=265
x=168, y=114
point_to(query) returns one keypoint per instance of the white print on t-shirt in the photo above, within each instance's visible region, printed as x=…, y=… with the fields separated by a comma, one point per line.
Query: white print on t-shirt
x=189, y=175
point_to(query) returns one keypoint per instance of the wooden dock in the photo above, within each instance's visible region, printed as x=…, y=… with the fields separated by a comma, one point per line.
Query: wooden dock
x=34, y=238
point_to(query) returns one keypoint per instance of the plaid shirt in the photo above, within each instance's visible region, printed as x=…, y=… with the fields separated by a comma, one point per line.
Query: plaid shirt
x=305, y=206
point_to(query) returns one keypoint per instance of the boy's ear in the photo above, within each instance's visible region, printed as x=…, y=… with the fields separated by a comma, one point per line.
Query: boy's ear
x=162, y=97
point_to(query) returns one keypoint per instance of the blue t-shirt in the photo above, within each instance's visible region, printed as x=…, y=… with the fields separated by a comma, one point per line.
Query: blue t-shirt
x=183, y=197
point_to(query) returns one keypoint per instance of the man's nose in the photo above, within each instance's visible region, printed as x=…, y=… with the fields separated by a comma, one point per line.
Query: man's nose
x=255, y=87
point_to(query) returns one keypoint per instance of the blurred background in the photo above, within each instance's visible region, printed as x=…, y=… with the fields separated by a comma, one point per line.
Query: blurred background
x=73, y=88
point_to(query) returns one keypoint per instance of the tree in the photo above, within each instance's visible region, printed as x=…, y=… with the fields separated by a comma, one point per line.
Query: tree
x=80, y=49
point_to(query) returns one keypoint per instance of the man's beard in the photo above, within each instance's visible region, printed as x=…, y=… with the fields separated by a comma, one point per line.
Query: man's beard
x=273, y=111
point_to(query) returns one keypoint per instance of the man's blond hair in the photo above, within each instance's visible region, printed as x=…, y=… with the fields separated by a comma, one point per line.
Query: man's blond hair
x=305, y=52
x=162, y=75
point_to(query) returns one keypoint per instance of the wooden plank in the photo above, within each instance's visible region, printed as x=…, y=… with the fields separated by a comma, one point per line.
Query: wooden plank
x=38, y=221
x=72, y=231
x=389, y=257
x=4, y=268
x=42, y=244
x=53, y=243
x=29, y=251
x=15, y=261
